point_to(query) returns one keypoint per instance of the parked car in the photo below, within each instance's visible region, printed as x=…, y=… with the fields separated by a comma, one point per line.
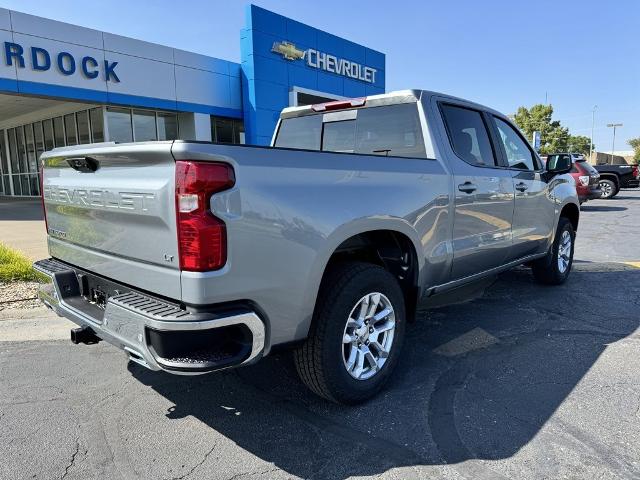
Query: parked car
x=586, y=177
x=615, y=177
x=194, y=257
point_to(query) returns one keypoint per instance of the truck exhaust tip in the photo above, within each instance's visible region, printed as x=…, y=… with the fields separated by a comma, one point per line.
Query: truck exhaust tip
x=84, y=335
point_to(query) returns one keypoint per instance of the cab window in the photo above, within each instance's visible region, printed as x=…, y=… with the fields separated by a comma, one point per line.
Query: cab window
x=518, y=153
x=468, y=135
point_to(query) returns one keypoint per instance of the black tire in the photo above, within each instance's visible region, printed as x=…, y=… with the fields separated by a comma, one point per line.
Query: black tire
x=546, y=270
x=609, y=188
x=319, y=360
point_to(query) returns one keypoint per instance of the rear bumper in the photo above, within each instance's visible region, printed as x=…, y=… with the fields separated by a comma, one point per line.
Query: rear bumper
x=632, y=184
x=154, y=332
x=589, y=192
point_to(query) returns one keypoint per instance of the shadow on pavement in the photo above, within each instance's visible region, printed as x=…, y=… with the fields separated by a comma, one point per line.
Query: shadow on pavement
x=601, y=208
x=482, y=400
x=621, y=197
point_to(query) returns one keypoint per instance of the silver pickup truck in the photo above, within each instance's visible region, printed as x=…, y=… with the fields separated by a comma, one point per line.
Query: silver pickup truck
x=194, y=257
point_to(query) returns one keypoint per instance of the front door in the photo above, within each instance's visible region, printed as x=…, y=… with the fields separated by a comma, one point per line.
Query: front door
x=534, y=211
x=483, y=193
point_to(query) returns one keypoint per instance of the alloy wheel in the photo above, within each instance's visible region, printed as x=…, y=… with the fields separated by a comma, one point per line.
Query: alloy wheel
x=606, y=188
x=368, y=336
x=564, y=252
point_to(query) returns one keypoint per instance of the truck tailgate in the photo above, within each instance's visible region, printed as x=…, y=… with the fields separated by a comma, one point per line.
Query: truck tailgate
x=111, y=210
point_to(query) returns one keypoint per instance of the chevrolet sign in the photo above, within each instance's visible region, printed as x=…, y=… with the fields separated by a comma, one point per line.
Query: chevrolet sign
x=324, y=61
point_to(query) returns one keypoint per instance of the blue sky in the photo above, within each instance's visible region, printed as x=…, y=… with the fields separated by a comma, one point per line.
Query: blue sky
x=500, y=53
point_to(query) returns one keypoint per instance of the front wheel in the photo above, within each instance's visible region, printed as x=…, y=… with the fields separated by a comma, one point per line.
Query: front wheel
x=609, y=188
x=554, y=268
x=356, y=334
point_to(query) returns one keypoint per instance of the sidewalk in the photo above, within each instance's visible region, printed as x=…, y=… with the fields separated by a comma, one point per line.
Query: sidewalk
x=22, y=226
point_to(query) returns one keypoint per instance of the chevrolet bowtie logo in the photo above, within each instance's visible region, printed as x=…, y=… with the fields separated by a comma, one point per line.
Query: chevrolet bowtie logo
x=288, y=50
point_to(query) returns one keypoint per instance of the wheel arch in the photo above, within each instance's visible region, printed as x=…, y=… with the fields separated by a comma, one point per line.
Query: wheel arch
x=611, y=176
x=393, y=245
x=571, y=211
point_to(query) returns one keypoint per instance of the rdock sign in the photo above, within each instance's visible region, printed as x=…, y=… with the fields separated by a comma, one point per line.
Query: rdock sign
x=40, y=60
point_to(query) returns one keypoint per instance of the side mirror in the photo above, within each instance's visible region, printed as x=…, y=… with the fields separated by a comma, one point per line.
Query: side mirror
x=558, y=164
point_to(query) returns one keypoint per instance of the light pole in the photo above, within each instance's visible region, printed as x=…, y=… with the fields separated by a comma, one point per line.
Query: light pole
x=613, y=144
x=593, y=123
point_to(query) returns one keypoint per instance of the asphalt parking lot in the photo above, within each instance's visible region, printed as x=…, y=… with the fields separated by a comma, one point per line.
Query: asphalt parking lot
x=523, y=382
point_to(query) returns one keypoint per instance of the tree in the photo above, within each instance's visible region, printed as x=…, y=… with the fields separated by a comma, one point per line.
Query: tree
x=553, y=136
x=579, y=144
x=635, y=144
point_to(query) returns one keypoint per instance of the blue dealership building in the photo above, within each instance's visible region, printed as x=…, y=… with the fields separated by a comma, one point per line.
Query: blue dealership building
x=63, y=84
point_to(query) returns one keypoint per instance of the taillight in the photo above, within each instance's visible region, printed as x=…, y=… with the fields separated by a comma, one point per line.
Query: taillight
x=584, y=180
x=636, y=172
x=202, y=237
x=44, y=210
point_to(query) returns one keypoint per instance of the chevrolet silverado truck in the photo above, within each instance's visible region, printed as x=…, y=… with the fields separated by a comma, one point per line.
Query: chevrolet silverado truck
x=615, y=177
x=194, y=257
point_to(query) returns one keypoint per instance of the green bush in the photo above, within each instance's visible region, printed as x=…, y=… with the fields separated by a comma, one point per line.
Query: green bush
x=15, y=266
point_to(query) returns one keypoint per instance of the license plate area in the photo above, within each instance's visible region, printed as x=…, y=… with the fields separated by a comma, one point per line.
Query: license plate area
x=96, y=290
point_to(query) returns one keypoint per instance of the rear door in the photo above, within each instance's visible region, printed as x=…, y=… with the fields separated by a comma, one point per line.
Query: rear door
x=111, y=210
x=483, y=192
x=534, y=211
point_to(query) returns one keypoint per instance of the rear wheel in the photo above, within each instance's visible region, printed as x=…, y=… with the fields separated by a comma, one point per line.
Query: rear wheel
x=554, y=268
x=356, y=335
x=609, y=188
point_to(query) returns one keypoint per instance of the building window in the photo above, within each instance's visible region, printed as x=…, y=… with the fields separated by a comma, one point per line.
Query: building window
x=227, y=130
x=119, y=125
x=26, y=143
x=13, y=150
x=70, y=129
x=144, y=126
x=32, y=163
x=22, y=154
x=126, y=125
x=58, y=131
x=97, y=125
x=21, y=146
x=167, y=126
x=84, y=135
x=47, y=126
x=39, y=139
x=4, y=166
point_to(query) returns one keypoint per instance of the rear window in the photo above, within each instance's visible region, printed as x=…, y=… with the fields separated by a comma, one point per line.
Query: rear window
x=300, y=132
x=393, y=130
x=587, y=167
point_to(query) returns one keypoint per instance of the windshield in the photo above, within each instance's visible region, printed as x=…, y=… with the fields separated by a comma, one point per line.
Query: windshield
x=392, y=130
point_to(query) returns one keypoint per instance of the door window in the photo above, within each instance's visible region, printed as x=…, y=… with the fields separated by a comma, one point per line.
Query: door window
x=468, y=135
x=519, y=155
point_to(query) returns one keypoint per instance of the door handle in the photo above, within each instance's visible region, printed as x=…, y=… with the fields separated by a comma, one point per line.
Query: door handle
x=521, y=187
x=467, y=187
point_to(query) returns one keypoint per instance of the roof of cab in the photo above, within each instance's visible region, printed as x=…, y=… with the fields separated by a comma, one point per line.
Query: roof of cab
x=391, y=98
